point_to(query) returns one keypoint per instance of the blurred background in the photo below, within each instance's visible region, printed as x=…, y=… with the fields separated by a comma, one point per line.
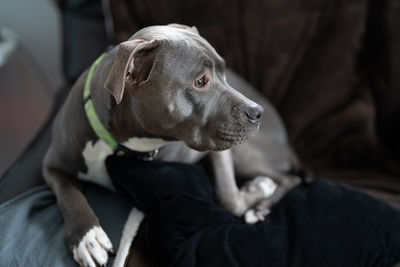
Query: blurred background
x=30, y=71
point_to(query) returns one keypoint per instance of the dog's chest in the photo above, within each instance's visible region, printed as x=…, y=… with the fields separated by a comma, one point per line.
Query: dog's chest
x=96, y=153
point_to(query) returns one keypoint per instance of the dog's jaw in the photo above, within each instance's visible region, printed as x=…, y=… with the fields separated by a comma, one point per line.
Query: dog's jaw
x=226, y=137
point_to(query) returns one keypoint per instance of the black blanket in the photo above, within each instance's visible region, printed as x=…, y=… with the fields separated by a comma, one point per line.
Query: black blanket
x=318, y=224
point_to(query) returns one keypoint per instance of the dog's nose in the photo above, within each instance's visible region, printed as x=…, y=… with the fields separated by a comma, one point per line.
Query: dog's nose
x=253, y=113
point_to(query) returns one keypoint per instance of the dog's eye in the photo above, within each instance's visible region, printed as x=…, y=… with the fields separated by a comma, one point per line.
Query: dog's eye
x=200, y=82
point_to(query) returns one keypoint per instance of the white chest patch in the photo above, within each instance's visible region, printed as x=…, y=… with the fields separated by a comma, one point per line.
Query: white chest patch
x=144, y=144
x=95, y=155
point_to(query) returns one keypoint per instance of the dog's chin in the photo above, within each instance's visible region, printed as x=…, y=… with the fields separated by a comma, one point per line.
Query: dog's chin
x=236, y=133
x=212, y=147
x=226, y=138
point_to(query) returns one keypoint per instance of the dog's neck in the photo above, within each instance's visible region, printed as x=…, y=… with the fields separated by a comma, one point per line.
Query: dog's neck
x=121, y=120
x=144, y=144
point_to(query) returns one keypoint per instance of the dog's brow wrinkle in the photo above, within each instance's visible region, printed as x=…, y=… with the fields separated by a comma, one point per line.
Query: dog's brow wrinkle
x=207, y=63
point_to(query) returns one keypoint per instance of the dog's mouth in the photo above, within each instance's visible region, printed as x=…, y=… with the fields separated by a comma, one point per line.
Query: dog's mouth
x=232, y=135
x=227, y=136
x=236, y=133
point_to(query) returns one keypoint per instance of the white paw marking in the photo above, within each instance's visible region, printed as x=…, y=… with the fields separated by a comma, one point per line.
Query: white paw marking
x=252, y=216
x=267, y=185
x=93, y=248
x=130, y=229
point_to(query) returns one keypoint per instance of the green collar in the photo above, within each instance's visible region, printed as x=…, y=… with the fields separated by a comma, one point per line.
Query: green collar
x=98, y=127
x=91, y=114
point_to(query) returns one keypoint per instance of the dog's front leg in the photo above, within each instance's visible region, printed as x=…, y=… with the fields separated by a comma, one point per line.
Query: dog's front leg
x=84, y=236
x=227, y=191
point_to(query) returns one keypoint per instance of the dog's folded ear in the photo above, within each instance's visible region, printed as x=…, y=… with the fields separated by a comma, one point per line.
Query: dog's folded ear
x=132, y=63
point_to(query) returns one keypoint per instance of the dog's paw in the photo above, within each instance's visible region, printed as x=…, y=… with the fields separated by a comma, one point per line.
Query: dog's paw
x=93, y=249
x=259, y=212
x=253, y=216
x=263, y=186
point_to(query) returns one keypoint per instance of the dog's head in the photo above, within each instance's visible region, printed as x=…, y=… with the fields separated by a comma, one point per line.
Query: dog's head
x=174, y=83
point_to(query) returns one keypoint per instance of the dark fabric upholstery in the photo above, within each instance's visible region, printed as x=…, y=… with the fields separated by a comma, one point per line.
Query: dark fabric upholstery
x=32, y=223
x=85, y=35
x=317, y=224
x=26, y=171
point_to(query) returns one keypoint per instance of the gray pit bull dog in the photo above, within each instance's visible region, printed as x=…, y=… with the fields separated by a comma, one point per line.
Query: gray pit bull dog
x=165, y=88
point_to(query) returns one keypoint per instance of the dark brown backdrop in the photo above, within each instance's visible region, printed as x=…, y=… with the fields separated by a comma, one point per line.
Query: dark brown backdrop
x=329, y=67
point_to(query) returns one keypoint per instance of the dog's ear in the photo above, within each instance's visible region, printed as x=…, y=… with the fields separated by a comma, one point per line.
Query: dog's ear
x=181, y=26
x=132, y=63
